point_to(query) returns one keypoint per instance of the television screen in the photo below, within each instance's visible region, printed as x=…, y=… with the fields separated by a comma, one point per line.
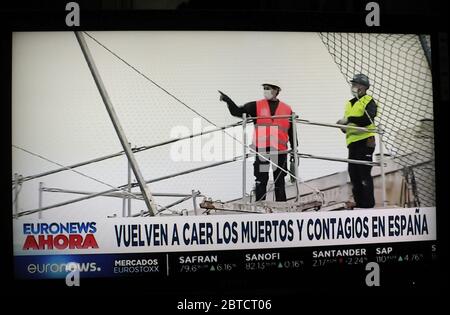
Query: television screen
x=189, y=157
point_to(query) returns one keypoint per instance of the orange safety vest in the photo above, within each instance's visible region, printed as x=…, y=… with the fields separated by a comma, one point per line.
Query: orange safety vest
x=271, y=132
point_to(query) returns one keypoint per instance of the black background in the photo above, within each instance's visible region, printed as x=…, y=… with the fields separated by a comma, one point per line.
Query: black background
x=344, y=16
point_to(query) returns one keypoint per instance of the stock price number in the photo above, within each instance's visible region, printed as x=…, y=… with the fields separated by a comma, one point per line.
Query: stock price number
x=291, y=264
x=259, y=265
x=191, y=268
x=323, y=262
x=355, y=260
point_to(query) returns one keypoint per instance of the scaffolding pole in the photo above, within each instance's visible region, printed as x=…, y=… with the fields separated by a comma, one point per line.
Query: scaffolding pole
x=194, y=200
x=145, y=213
x=294, y=135
x=41, y=185
x=314, y=123
x=383, y=179
x=16, y=195
x=129, y=190
x=148, y=198
x=244, y=151
x=126, y=202
x=352, y=161
x=112, y=194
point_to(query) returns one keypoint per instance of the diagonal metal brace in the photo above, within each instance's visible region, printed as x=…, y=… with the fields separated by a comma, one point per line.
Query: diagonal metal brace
x=148, y=198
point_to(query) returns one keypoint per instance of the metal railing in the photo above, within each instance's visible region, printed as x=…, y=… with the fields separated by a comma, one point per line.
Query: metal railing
x=18, y=180
x=138, y=196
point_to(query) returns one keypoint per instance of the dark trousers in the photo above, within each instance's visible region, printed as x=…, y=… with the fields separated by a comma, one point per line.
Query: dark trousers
x=360, y=174
x=261, y=169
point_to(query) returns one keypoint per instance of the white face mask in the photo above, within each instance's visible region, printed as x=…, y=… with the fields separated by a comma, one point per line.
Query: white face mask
x=268, y=94
x=355, y=91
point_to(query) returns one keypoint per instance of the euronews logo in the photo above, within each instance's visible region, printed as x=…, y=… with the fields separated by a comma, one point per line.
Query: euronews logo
x=71, y=269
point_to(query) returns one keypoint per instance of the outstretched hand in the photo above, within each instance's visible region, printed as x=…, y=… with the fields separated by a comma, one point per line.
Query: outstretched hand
x=342, y=121
x=223, y=97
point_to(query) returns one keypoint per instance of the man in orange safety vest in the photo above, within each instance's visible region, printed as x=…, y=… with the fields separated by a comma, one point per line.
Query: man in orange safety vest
x=271, y=137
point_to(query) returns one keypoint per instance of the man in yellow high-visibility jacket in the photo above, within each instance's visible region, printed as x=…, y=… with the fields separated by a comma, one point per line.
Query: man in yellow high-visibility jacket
x=360, y=111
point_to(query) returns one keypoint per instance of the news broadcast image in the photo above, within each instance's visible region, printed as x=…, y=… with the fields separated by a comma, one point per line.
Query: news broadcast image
x=166, y=155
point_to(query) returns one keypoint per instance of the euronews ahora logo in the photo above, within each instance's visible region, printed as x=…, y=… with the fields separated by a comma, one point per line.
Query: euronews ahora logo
x=59, y=236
